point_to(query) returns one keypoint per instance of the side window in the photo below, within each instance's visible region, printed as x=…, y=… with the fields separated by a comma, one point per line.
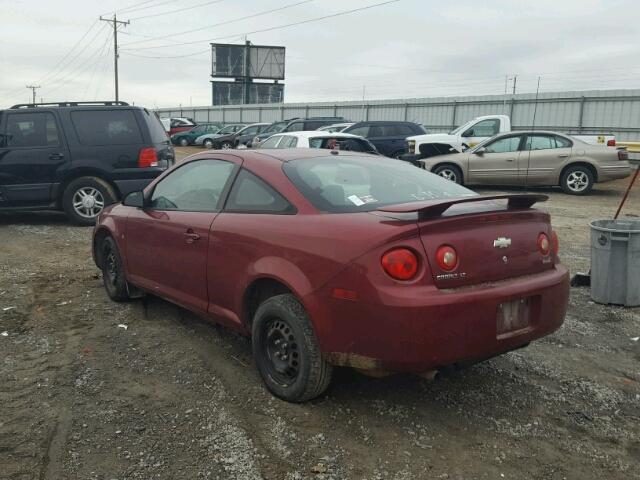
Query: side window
x=288, y=141
x=314, y=125
x=485, y=128
x=376, y=131
x=540, y=142
x=295, y=127
x=362, y=131
x=397, y=130
x=503, y=145
x=195, y=187
x=562, y=142
x=250, y=194
x=31, y=130
x=250, y=131
x=106, y=127
x=271, y=142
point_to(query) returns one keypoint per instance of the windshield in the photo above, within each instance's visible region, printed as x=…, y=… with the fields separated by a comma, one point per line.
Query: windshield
x=276, y=127
x=362, y=184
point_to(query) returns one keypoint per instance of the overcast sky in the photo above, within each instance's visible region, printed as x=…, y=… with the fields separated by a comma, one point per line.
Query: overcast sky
x=405, y=49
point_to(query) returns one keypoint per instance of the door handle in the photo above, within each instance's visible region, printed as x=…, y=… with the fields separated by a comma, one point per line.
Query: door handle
x=190, y=236
x=563, y=155
x=56, y=156
x=510, y=159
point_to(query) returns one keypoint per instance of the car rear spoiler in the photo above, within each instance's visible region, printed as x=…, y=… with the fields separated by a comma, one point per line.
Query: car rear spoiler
x=434, y=208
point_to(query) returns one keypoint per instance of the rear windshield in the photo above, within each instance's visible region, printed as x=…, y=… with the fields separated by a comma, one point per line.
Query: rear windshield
x=361, y=184
x=349, y=144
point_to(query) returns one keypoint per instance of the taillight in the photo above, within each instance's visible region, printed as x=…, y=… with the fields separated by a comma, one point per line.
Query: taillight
x=555, y=244
x=623, y=155
x=400, y=263
x=544, y=246
x=447, y=258
x=611, y=143
x=148, y=157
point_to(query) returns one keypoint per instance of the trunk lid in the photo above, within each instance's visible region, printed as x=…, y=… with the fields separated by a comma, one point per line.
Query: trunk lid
x=493, y=240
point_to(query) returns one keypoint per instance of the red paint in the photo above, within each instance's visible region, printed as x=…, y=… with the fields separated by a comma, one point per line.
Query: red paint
x=434, y=318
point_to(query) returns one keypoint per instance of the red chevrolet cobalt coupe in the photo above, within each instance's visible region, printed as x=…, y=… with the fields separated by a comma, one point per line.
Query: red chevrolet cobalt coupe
x=338, y=258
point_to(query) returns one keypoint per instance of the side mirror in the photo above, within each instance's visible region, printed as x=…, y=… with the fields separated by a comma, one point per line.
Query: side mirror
x=134, y=199
x=480, y=151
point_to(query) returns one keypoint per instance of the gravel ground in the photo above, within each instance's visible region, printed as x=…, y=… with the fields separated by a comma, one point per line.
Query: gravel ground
x=90, y=389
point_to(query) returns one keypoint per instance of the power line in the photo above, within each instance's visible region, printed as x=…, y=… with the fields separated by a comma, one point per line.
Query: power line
x=99, y=59
x=227, y=22
x=177, y=10
x=33, y=89
x=138, y=6
x=270, y=29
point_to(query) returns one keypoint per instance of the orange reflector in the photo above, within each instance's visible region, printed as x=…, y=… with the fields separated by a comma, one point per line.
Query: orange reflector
x=345, y=294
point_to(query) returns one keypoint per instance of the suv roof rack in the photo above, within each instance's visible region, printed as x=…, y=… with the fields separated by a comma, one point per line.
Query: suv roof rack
x=108, y=103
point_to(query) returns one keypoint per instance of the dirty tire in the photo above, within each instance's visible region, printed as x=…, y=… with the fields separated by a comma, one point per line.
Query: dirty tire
x=112, y=272
x=449, y=172
x=102, y=193
x=284, y=316
x=577, y=180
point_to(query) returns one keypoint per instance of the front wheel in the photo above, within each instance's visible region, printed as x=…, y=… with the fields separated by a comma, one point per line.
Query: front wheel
x=85, y=198
x=208, y=143
x=286, y=350
x=577, y=180
x=449, y=172
x=112, y=272
x=184, y=142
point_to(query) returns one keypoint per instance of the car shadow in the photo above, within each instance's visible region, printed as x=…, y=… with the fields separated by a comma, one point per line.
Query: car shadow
x=34, y=218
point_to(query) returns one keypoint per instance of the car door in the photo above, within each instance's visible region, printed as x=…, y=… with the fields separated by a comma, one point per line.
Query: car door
x=32, y=150
x=543, y=157
x=247, y=134
x=496, y=163
x=237, y=241
x=167, y=240
x=480, y=131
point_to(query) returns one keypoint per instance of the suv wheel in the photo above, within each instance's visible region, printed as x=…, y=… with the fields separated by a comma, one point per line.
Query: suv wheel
x=577, y=180
x=85, y=198
x=208, y=143
x=286, y=351
x=184, y=142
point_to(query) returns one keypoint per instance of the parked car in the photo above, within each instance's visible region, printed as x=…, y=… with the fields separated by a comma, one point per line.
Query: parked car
x=177, y=124
x=471, y=133
x=388, y=137
x=207, y=140
x=338, y=258
x=319, y=139
x=232, y=140
x=78, y=156
x=336, y=127
x=294, y=125
x=187, y=137
x=533, y=158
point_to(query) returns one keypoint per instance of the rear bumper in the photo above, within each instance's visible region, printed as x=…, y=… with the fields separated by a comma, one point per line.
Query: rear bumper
x=614, y=172
x=440, y=327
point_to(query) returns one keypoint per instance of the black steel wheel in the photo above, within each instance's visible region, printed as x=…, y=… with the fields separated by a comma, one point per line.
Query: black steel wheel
x=112, y=272
x=286, y=350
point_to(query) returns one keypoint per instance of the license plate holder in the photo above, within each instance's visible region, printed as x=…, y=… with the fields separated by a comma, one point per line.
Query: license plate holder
x=513, y=318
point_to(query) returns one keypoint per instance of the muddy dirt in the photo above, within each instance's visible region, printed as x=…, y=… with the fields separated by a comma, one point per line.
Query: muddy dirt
x=91, y=389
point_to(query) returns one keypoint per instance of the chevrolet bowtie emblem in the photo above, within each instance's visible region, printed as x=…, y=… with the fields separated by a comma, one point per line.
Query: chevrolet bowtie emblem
x=502, y=242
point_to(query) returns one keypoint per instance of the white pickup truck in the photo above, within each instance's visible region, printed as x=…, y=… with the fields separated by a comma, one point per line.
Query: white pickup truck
x=470, y=134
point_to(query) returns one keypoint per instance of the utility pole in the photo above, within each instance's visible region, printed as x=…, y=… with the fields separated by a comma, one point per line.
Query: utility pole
x=33, y=90
x=515, y=79
x=114, y=21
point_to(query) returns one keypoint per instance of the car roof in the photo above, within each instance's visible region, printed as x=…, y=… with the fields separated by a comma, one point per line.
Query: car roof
x=376, y=122
x=530, y=132
x=316, y=134
x=289, y=154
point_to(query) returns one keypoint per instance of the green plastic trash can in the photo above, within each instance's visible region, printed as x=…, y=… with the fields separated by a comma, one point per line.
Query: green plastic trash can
x=615, y=262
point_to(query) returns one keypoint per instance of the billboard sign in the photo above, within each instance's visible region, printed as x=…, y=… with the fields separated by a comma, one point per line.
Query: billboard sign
x=230, y=61
x=233, y=93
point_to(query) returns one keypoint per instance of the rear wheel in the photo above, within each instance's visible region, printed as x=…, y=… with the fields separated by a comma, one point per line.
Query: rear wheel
x=184, y=142
x=208, y=143
x=577, y=180
x=112, y=272
x=286, y=350
x=85, y=198
x=450, y=172
x=226, y=145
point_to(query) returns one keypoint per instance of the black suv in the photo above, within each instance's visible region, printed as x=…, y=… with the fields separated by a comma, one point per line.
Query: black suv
x=387, y=136
x=294, y=125
x=78, y=156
